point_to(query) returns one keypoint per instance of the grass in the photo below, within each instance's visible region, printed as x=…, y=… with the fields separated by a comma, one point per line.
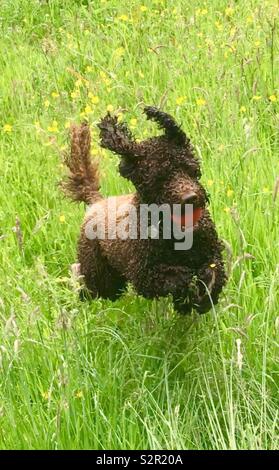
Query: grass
x=133, y=374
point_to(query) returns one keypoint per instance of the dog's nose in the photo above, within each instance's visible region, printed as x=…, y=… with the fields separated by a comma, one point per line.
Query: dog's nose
x=189, y=198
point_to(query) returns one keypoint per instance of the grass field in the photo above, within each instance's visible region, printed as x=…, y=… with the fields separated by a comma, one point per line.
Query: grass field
x=133, y=374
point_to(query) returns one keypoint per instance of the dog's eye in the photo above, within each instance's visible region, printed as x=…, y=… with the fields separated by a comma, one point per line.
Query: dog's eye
x=126, y=167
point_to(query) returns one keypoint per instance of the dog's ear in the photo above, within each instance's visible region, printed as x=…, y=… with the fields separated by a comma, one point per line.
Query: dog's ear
x=172, y=130
x=118, y=138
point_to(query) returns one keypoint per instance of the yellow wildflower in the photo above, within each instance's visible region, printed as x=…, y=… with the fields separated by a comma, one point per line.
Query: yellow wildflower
x=143, y=8
x=109, y=108
x=119, y=116
x=7, y=128
x=229, y=192
x=133, y=122
x=256, y=98
x=242, y=109
x=94, y=99
x=249, y=19
x=67, y=124
x=180, y=100
x=89, y=68
x=210, y=183
x=265, y=190
x=54, y=94
x=53, y=127
x=79, y=394
x=201, y=102
x=257, y=43
x=46, y=103
x=218, y=25
x=88, y=109
x=123, y=18
x=229, y=11
x=62, y=219
x=119, y=52
x=227, y=209
x=273, y=98
x=46, y=395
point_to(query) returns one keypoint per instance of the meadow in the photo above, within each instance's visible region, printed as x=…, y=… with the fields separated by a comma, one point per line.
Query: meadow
x=133, y=374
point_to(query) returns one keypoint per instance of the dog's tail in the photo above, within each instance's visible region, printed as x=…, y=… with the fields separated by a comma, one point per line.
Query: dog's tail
x=82, y=184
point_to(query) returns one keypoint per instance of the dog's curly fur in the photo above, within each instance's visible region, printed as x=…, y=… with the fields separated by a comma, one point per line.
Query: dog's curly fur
x=163, y=170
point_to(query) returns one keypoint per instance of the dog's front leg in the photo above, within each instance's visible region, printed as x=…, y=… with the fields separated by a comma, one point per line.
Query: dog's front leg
x=210, y=281
x=162, y=280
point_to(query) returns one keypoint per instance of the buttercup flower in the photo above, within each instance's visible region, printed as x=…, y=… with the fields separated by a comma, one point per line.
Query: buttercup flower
x=201, y=102
x=133, y=122
x=88, y=109
x=94, y=99
x=120, y=51
x=53, y=127
x=180, y=100
x=109, y=108
x=273, y=98
x=229, y=11
x=46, y=395
x=7, y=128
x=123, y=18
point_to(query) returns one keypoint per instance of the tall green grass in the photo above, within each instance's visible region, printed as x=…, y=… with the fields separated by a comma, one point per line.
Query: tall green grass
x=134, y=374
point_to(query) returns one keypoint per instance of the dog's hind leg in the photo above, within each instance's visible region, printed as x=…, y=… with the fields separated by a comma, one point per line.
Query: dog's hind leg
x=100, y=279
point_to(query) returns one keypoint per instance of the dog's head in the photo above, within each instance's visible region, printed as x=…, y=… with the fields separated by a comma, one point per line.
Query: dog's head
x=163, y=169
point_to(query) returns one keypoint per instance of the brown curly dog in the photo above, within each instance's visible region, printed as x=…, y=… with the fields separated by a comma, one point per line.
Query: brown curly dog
x=163, y=170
